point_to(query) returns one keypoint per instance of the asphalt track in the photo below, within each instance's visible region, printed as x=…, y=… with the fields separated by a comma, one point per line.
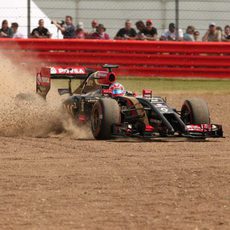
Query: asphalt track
x=74, y=182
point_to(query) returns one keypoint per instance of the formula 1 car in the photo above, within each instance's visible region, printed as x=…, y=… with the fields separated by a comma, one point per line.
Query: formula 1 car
x=127, y=114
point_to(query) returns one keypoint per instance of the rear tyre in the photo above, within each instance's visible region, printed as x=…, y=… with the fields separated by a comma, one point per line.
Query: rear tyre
x=195, y=111
x=105, y=113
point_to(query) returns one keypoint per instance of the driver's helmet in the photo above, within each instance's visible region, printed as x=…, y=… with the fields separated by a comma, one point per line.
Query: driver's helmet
x=117, y=89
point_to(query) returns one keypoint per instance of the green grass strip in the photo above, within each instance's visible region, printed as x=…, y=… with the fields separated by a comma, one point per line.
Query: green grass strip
x=175, y=84
x=160, y=84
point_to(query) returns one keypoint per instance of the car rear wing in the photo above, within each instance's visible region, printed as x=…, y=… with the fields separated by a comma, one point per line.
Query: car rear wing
x=43, y=78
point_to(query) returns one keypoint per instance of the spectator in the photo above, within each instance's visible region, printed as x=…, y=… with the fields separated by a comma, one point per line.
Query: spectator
x=127, y=33
x=219, y=28
x=140, y=25
x=67, y=28
x=226, y=35
x=6, y=31
x=170, y=33
x=16, y=33
x=80, y=33
x=94, y=25
x=196, y=35
x=100, y=33
x=212, y=34
x=150, y=32
x=40, y=31
x=189, y=34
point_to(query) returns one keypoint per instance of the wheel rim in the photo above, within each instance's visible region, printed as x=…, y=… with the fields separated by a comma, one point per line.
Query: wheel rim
x=96, y=120
x=186, y=115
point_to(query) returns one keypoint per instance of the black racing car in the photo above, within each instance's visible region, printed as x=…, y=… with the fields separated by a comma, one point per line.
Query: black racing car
x=126, y=114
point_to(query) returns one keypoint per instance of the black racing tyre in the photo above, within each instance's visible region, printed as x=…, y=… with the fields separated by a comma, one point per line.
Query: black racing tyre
x=105, y=113
x=195, y=111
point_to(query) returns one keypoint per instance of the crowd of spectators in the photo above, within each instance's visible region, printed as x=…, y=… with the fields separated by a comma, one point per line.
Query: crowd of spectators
x=142, y=31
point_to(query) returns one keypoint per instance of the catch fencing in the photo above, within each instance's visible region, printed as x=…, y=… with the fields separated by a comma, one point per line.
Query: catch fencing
x=135, y=58
x=113, y=14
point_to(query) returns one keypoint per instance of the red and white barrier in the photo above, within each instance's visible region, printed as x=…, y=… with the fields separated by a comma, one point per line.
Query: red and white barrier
x=136, y=58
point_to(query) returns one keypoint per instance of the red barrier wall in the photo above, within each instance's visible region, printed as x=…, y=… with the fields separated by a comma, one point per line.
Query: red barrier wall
x=136, y=58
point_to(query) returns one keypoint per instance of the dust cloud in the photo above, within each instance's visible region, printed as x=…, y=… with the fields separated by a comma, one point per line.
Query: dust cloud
x=24, y=113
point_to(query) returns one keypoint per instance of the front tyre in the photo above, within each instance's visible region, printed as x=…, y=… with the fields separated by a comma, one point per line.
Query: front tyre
x=105, y=113
x=195, y=111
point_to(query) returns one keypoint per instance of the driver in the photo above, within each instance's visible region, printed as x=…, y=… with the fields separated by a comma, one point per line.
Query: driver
x=117, y=89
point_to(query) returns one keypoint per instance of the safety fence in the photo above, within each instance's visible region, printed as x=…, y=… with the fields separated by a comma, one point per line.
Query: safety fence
x=135, y=58
x=113, y=14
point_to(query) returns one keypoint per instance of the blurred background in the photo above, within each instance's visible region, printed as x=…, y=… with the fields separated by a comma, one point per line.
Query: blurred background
x=114, y=13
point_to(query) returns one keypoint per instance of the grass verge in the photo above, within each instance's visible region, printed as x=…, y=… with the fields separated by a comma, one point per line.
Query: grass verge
x=160, y=84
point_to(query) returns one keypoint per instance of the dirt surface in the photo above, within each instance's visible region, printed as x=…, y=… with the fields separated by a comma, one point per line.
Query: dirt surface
x=66, y=182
